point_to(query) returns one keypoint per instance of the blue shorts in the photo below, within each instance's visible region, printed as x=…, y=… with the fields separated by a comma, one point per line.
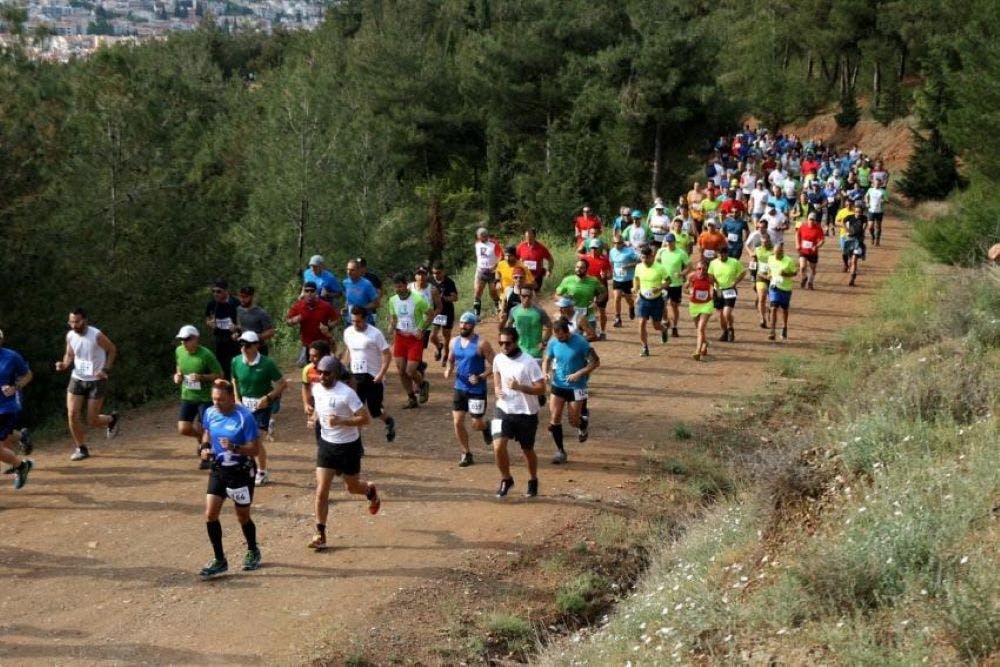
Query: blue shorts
x=779, y=298
x=651, y=308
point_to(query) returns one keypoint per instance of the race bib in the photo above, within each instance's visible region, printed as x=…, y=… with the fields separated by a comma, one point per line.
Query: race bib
x=496, y=427
x=240, y=496
x=807, y=245
x=579, y=394
x=659, y=237
x=359, y=364
x=764, y=270
x=477, y=406
x=729, y=293
x=83, y=366
x=405, y=323
x=709, y=254
x=701, y=295
x=776, y=282
x=191, y=383
x=649, y=293
x=733, y=238
x=251, y=403
x=619, y=273
x=859, y=251
x=530, y=264
x=440, y=320
x=224, y=324
x=753, y=265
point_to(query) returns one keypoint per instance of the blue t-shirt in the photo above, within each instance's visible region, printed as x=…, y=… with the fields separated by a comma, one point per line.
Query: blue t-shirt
x=738, y=227
x=359, y=292
x=780, y=203
x=239, y=426
x=325, y=280
x=623, y=264
x=12, y=366
x=569, y=357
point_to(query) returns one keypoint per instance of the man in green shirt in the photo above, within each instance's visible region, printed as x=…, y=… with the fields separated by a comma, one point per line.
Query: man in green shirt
x=779, y=294
x=534, y=326
x=583, y=289
x=195, y=369
x=728, y=273
x=675, y=260
x=259, y=383
x=651, y=279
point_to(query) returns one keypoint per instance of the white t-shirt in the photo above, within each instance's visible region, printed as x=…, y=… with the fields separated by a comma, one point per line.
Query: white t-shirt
x=526, y=371
x=659, y=225
x=874, y=197
x=747, y=181
x=366, y=348
x=339, y=400
x=759, y=200
x=88, y=357
x=776, y=177
x=486, y=254
x=775, y=226
x=755, y=240
x=636, y=236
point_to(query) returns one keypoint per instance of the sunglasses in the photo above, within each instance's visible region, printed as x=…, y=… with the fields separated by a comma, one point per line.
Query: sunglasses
x=505, y=343
x=309, y=291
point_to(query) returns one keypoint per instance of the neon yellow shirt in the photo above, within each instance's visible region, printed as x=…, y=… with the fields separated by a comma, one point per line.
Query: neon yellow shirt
x=777, y=266
x=651, y=279
x=725, y=273
x=674, y=261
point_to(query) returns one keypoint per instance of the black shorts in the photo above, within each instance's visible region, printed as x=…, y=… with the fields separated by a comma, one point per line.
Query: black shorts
x=344, y=458
x=875, y=217
x=92, y=389
x=8, y=422
x=521, y=428
x=486, y=276
x=720, y=302
x=371, y=393
x=675, y=293
x=812, y=259
x=263, y=417
x=460, y=402
x=567, y=394
x=623, y=286
x=190, y=410
x=230, y=481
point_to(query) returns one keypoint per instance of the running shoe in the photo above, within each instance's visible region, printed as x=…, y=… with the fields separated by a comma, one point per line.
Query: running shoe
x=272, y=428
x=532, y=488
x=505, y=486
x=696, y=356
x=725, y=336
x=583, y=434
x=663, y=335
x=560, y=457
x=411, y=403
x=425, y=391
x=214, y=567
x=617, y=324
x=644, y=352
x=25, y=440
x=261, y=478
x=466, y=460
x=784, y=333
x=631, y=312
x=804, y=281
x=374, y=500
x=113, y=425
x=763, y=324
x=251, y=561
x=673, y=332
x=851, y=283
x=437, y=353
x=811, y=285
x=771, y=336
x=80, y=453
x=732, y=335
x=318, y=541
x=390, y=429
x=21, y=473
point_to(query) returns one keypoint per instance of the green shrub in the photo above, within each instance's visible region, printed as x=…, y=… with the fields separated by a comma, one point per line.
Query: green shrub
x=583, y=595
x=932, y=172
x=849, y=114
x=964, y=236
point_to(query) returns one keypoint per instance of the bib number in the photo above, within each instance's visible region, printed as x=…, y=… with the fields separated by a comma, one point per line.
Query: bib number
x=807, y=245
x=619, y=273
x=729, y=293
x=649, y=294
x=579, y=394
x=496, y=427
x=251, y=403
x=440, y=320
x=224, y=324
x=753, y=265
x=191, y=383
x=477, y=406
x=359, y=365
x=733, y=238
x=701, y=295
x=240, y=496
x=859, y=252
x=406, y=323
x=84, y=366
x=530, y=264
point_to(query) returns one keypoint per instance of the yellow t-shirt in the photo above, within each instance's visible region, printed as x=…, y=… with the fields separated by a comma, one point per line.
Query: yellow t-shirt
x=651, y=279
x=506, y=273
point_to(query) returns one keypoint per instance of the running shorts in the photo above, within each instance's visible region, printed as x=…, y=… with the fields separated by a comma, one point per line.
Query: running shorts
x=721, y=302
x=405, y=346
x=190, y=410
x=623, y=286
x=486, y=275
x=569, y=394
x=812, y=259
x=779, y=298
x=92, y=389
x=698, y=309
x=371, y=393
x=651, y=308
x=8, y=422
x=343, y=458
x=236, y=482
x=463, y=401
x=675, y=293
x=521, y=428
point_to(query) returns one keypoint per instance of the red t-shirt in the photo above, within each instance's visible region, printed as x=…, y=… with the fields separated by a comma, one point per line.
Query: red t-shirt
x=585, y=224
x=701, y=287
x=319, y=313
x=809, y=234
x=730, y=206
x=532, y=255
x=599, y=267
x=809, y=166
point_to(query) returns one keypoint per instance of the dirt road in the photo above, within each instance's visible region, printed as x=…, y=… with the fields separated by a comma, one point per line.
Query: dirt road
x=99, y=558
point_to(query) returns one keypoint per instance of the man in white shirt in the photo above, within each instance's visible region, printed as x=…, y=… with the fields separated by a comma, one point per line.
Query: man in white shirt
x=758, y=200
x=369, y=359
x=875, y=201
x=340, y=414
x=517, y=384
x=776, y=222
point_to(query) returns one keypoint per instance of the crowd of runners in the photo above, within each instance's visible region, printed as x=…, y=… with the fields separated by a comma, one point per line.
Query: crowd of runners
x=763, y=195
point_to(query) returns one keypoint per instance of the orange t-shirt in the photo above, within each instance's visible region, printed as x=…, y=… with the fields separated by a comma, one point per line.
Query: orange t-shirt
x=711, y=241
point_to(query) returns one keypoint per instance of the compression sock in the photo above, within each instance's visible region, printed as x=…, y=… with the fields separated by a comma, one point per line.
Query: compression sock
x=250, y=533
x=557, y=435
x=584, y=417
x=477, y=305
x=487, y=438
x=215, y=537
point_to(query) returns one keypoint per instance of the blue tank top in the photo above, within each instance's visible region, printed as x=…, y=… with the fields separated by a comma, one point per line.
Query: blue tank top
x=468, y=362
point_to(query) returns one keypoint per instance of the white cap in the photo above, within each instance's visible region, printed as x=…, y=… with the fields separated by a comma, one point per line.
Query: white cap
x=188, y=331
x=249, y=337
x=481, y=231
x=316, y=260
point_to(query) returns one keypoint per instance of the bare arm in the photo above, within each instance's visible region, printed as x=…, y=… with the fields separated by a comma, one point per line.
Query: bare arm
x=67, y=361
x=359, y=418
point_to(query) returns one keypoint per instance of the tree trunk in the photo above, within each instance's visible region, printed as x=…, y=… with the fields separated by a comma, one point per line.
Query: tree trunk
x=548, y=142
x=435, y=228
x=842, y=66
x=902, y=61
x=809, y=67
x=877, y=84
x=854, y=74
x=301, y=241
x=657, y=160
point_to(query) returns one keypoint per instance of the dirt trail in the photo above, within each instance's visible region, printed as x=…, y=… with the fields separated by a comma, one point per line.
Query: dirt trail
x=99, y=558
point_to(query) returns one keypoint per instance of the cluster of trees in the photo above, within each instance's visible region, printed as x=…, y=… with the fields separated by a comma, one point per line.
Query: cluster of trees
x=131, y=179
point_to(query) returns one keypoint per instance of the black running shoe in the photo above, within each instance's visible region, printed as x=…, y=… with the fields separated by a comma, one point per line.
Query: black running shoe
x=631, y=312
x=21, y=473
x=466, y=460
x=505, y=486
x=411, y=403
x=663, y=335
x=532, y=488
x=390, y=429
x=113, y=425
x=425, y=391
x=732, y=335
x=26, y=446
x=673, y=332
x=215, y=567
x=251, y=561
x=583, y=434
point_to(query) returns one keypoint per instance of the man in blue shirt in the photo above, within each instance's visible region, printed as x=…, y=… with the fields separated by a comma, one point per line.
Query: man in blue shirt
x=735, y=230
x=359, y=291
x=569, y=361
x=14, y=375
x=328, y=285
x=230, y=441
x=623, y=260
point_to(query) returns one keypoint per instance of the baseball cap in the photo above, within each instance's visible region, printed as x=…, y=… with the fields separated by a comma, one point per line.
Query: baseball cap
x=481, y=231
x=712, y=221
x=249, y=337
x=468, y=317
x=308, y=284
x=564, y=302
x=329, y=363
x=636, y=214
x=187, y=331
x=669, y=237
x=422, y=269
x=316, y=260
x=658, y=205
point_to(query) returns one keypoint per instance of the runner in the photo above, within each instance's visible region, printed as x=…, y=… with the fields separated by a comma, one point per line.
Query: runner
x=330, y=288
x=584, y=289
x=230, y=441
x=195, y=369
x=314, y=317
x=471, y=362
x=340, y=414
x=258, y=385
x=487, y=256
x=221, y=316
x=410, y=316
x=251, y=317
x=735, y=229
x=779, y=295
x=637, y=234
x=760, y=273
x=534, y=326
x=875, y=201
x=659, y=225
x=598, y=266
x=578, y=322
x=310, y=376
x=511, y=295
x=422, y=286
x=809, y=239
x=651, y=278
x=359, y=291
x=700, y=285
x=675, y=261
x=444, y=321
x=505, y=270
x=90, y=354
x=855, y=225
x=14, y=376
x=711, y=240
x=776, y=222
x=728, y=273
x=623, y=262
x=586, y=225
x=369, y=360
x=569, y=361
x=517, y=384
x=683, y=239
x=534, y=255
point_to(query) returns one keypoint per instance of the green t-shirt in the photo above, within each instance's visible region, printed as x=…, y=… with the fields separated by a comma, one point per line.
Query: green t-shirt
x=255, y=381
x=530, y=323
x=683, y=240
x=651, y=279
x=786, y=263
x=411, y=313
x=709, y=206
x=581, y=290
x=864, y=175
x=202, y=362
x=726, y=272
x=674, y=261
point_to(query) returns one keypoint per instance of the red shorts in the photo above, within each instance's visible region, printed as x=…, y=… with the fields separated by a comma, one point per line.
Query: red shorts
x=408, y=347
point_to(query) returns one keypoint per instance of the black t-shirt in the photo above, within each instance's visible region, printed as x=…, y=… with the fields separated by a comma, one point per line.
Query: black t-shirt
x=446, y=287
x=855, y=226
x=226, y=317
